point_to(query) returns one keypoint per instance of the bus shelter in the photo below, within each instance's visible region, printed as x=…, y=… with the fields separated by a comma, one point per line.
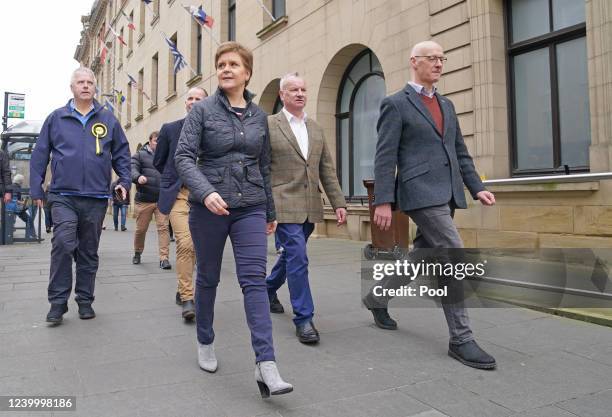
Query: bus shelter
x=20, y=219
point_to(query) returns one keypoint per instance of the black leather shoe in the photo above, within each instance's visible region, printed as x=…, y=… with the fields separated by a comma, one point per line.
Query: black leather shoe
x=188, y=310
x=86, y=312
x=56, y=313
x=165, y=264
x=123, y=228
x=136, y=258
x=178, y=300
x=307, y=333
x=470, y=354
x=275, y=305
x=382, y=319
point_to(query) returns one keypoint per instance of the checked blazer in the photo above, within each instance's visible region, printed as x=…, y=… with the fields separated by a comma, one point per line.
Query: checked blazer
x=295, y=179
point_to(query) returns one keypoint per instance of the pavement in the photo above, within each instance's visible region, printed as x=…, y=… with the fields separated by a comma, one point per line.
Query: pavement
x=138, y=358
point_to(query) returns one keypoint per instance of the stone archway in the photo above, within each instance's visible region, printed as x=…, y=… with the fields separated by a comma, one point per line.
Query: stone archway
x=269, y=95
x=327, y=97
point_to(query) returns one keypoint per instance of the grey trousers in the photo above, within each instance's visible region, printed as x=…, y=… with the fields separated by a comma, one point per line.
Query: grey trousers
x=435, y=230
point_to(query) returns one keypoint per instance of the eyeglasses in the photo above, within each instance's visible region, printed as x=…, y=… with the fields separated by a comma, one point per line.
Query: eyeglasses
x=433, y=59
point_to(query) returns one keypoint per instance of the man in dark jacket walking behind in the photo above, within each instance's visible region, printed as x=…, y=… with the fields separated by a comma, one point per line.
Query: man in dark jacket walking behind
x=147, y=178
x=83, y=141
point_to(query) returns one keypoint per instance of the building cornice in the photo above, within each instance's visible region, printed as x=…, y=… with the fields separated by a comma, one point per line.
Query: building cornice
x=91, y=24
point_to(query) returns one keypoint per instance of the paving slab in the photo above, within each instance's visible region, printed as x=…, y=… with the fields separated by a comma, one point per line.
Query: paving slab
x=138, y=357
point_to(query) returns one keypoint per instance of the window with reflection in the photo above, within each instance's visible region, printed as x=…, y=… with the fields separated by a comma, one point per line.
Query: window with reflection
x=550, y=118
x=361, y=91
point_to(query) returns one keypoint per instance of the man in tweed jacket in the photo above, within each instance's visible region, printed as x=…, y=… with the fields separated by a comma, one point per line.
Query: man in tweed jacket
x=300, y=159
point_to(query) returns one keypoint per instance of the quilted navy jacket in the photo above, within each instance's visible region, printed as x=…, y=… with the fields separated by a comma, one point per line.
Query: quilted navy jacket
x=220, y=151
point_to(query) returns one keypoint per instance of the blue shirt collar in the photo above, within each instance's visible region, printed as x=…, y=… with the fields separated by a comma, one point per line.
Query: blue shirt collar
x=73, y=108
x=83, y=118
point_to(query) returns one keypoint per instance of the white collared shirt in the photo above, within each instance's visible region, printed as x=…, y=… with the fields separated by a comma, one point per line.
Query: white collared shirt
x=422, y=90
x=298, y=127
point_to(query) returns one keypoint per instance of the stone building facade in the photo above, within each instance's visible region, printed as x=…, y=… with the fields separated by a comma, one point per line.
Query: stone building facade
x=531, y=81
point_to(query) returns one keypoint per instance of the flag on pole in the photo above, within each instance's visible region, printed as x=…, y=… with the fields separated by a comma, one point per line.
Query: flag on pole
x=132, y=81
x=179, y=59
x=103, y=50
x=130, y=21
x=199, y=15
x=120, y=96
x=117, y=36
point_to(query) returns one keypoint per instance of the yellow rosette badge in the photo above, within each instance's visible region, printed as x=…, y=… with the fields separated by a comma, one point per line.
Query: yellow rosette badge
x=99, y=131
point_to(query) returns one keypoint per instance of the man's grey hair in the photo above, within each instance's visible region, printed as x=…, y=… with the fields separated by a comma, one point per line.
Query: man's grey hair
x=286, y=78
x=82, y=70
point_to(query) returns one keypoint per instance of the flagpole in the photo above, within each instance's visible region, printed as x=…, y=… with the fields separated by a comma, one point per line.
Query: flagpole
x=212, y=35
x=266, y=10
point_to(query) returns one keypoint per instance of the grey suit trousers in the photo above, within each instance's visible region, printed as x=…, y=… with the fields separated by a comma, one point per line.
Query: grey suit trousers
x=436, y=230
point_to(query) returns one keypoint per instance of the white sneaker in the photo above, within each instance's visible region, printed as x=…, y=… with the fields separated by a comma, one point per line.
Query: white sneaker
x=206, y=357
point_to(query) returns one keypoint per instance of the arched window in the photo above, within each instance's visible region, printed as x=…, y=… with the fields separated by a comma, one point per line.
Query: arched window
x=278, y=105
x=361, y=91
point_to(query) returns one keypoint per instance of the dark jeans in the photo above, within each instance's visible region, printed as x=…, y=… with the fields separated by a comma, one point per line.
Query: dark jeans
x=292, y=266
x=76, y=235
x=246, y=228
x=116, y=209
x=29, y=222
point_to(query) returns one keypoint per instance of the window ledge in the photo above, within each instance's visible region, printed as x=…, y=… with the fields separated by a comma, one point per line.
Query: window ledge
x=129, y=54
x=155, y=20
x=172, y=96
x=138, y=117
x=273, y=27
x=545, y=187
x=152, y=108
x=140, y=38
x=194, y=80
x=127, y=125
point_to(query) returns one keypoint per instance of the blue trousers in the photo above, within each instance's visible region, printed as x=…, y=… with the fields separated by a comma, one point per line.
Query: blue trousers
x=246, y=228
x=292, y=266
x=76, y=235
x=116, y=209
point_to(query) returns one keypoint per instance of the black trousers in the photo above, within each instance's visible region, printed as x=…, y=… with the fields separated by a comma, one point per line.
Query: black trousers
x=76, y=236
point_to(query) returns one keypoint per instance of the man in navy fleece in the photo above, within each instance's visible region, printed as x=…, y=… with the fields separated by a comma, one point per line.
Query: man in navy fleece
x=84, y=141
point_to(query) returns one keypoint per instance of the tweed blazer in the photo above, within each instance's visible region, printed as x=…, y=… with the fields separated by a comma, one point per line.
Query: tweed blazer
x=431, y=166
x=295, y=179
